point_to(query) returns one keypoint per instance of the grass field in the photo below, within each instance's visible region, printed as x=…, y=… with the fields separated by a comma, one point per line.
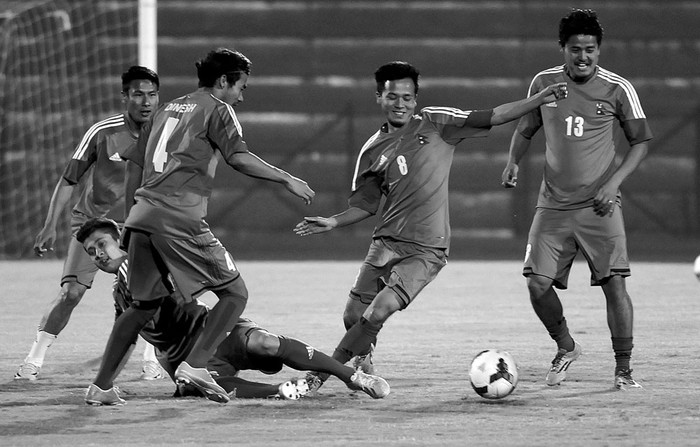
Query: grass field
x=424, y=353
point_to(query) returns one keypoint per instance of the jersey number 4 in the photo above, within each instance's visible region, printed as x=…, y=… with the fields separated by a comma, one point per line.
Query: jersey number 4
x=160, y=156
x=574, y=126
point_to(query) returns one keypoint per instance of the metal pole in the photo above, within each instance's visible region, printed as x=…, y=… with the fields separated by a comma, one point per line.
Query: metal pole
x=148, y=34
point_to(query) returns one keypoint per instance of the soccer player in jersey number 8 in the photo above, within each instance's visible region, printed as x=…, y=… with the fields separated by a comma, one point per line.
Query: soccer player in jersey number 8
x=579, y=206
x=408, y=162
x=169, y=180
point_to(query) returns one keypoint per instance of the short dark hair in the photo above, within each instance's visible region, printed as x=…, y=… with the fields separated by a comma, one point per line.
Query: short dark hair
x=393, y=71
x=580, y=21
x=95, y=224
x=137, y=72
x=219, y=62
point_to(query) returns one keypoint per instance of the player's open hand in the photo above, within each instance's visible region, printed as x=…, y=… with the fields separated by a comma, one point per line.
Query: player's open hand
x=509, y=178
x=44, y=241
x=314, y=225
x=300, y=188
x=554, y=92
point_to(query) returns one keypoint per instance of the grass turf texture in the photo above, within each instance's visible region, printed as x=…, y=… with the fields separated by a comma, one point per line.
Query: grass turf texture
x=424, y=353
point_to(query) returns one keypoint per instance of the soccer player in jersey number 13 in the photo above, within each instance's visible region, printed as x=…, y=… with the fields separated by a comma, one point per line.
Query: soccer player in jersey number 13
x=408, y=162
x=173, y=167
x=579, y=206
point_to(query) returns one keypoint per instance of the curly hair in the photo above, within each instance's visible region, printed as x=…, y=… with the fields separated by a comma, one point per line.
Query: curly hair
x=580, y=21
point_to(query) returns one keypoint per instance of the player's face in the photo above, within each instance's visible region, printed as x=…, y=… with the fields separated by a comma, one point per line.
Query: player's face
x=233, y=93
x=141, y=100
x=398, y=101
x=581, y=54
x=104, y=251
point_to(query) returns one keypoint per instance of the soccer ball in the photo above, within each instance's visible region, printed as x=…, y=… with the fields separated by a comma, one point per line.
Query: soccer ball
x=493, y=374
x=696, y=267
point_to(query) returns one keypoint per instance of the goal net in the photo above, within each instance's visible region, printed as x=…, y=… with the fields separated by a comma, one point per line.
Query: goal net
x=60, y=68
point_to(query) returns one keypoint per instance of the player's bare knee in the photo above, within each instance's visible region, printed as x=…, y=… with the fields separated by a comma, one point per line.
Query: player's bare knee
x=538, y=286
x=380, y=311
x=614, y=287
x=71, y=294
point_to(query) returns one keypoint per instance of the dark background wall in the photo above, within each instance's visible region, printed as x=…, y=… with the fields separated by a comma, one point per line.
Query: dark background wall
x=310, y=106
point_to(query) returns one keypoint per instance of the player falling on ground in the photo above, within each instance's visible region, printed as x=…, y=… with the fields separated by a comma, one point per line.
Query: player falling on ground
x=97, y=170
x=579, y=206
x=408, y=162
x=174, y=163
x=174, y=330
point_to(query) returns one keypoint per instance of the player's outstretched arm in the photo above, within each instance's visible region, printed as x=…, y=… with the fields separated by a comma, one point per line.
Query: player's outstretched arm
x=514, y=110
x=47, y=236
x=315, y=225
x=253, y=166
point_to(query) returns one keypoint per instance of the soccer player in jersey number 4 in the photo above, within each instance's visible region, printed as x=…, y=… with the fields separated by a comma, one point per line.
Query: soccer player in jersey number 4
x=579, y=206
x=408, y=162
x=173, y=167
x=97, y=170
x=174, y=331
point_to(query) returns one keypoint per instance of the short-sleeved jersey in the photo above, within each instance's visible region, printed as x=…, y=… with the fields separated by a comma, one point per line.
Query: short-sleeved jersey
x=178, y=153
x=98, y=168
x=580, y=152
x=411, y=167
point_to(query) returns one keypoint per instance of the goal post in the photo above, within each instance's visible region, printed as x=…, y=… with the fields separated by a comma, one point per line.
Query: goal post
x=60, y=68
x=148, y=34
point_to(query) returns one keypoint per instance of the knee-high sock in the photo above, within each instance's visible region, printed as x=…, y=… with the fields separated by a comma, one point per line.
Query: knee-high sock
x=39, y=347
x=221, y=320
x=549, y=310
x=357, y=339
x=245, y=389
x=298, y=355
x=126, y=329
x=560, y=334
x=350, y=322
x=623, y=352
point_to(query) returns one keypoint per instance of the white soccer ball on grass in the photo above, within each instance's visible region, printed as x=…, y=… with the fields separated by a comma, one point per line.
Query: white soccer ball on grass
x=696, y=267
x=493, y=374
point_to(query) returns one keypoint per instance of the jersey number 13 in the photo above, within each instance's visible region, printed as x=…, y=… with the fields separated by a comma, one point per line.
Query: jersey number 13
x=574, y=126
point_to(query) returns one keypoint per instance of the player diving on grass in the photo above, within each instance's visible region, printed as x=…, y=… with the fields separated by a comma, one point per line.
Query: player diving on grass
x=174, y=330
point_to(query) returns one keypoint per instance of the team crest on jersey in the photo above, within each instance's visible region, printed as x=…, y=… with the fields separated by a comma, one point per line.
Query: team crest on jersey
x=310, y=352
x=116, y=157
x=422, y=139
x=599, y=108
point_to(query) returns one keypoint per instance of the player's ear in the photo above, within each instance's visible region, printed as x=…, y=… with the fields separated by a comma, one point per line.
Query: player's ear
x=125, y=96
x=222, y=81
